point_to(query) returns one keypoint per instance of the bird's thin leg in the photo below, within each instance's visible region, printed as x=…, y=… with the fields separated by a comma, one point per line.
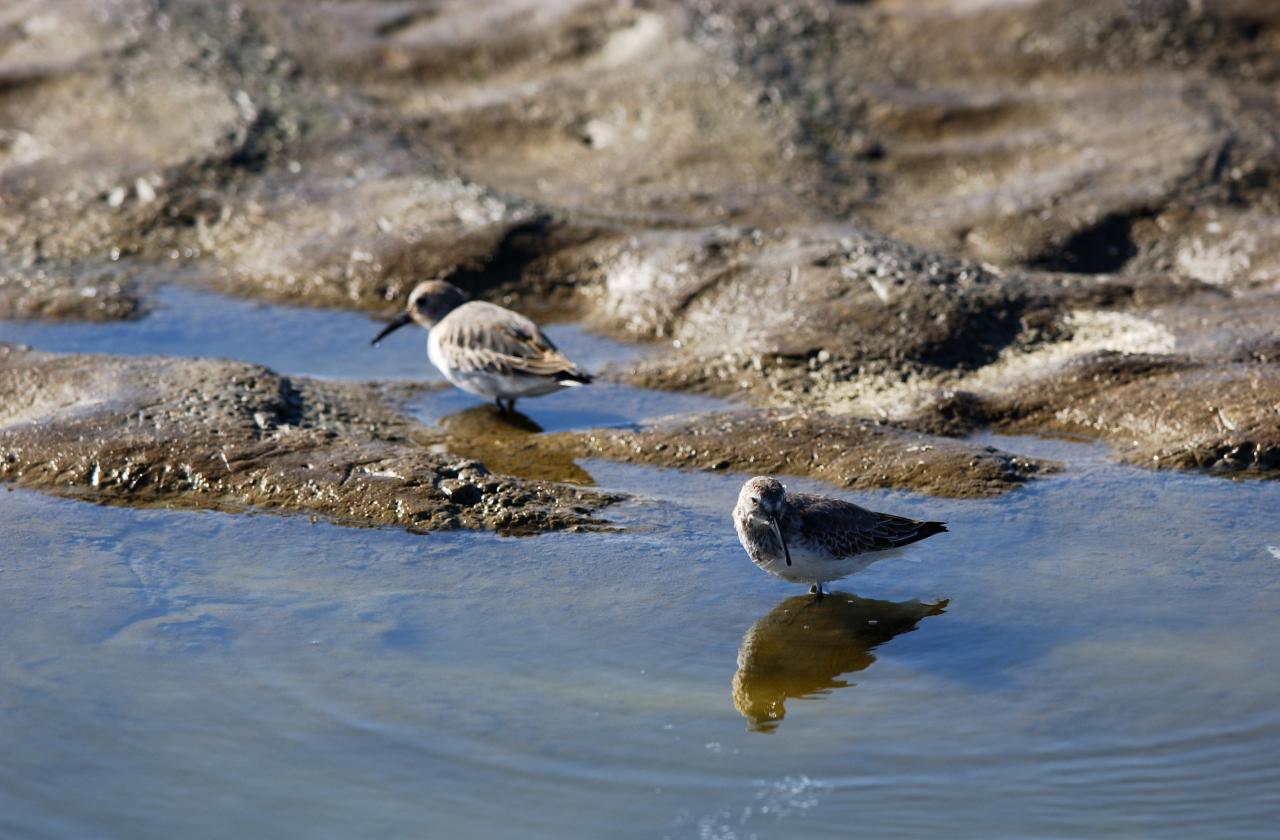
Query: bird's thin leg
x=498, y=401
x=816, y=591
x=511, y=405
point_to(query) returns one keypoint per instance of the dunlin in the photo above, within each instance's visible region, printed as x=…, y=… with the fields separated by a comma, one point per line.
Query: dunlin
x=485, y=349
x=812, y=539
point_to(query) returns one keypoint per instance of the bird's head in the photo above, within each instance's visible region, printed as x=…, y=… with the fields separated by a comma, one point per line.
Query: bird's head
x=763, y=495
x=428, y=303
x=761, y=501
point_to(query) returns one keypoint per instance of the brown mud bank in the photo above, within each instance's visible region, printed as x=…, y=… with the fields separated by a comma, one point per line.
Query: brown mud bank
x=863, y=327
x=1162, y=412
x=858, y=454
x=230, y=436
x=857, y=209
x=845, y=451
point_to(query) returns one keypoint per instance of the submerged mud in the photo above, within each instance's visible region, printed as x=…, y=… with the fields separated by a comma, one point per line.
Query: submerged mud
x=931, y=215
x=224, y=435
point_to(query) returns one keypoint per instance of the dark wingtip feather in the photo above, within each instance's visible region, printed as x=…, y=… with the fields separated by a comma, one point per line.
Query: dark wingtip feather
x=919, y=531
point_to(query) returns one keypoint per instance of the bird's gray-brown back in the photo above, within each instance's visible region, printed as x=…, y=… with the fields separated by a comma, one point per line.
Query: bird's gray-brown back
x=484, y=337
x=843, y=529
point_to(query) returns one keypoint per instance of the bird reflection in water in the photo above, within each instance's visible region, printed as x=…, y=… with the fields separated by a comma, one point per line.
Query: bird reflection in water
x=803, y=645
x=504, y=442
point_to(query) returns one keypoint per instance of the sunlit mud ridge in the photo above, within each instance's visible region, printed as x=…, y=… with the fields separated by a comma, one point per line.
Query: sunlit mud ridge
x=224, y=435
x=829, y=208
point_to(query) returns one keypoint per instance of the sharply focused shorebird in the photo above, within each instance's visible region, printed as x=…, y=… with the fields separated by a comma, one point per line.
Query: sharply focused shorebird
x=485, y=349
x=813, y=539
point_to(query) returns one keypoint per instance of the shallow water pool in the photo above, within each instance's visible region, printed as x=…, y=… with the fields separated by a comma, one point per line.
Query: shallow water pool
x=1105, y=664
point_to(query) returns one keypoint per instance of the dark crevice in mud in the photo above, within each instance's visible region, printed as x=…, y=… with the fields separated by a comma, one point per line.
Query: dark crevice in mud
x=985, y=333
x=262, y=141
x=1133, y=290
x=1102, y=248
x=12, y=82
x=1119, y=367
x=523, y=268
x=505, y=264
x=402, y=22
x=289, y=410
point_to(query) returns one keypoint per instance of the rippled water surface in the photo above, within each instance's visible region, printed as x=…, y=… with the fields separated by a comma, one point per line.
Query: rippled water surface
x=1094, y=655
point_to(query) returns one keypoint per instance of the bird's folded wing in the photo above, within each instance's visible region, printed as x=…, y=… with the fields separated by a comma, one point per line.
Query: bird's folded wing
x=506, y=344
x=845, y=529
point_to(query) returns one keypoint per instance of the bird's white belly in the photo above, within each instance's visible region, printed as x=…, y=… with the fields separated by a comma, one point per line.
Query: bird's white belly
x=487, y=384
x=809, y=566
x=493, y=386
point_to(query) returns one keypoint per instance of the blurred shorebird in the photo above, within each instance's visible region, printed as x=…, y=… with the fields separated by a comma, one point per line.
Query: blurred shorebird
x=814, y=540
x=485, y=349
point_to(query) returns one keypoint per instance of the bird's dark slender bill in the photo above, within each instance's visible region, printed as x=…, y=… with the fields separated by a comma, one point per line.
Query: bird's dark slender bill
x=392, y=327
x=777, y=532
